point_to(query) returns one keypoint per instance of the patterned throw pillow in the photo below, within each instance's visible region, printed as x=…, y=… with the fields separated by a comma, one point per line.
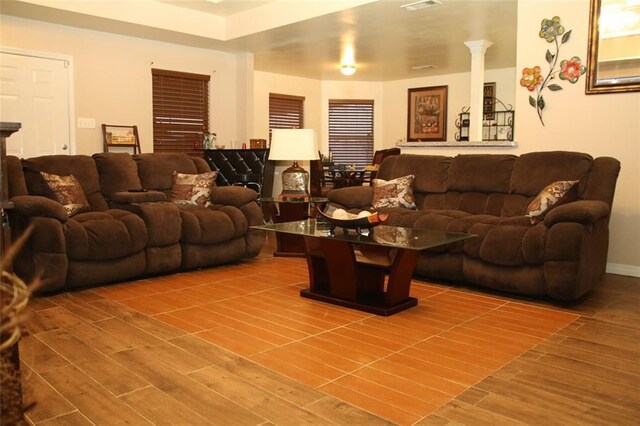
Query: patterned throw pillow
x=193, y=190
x=394, y=193
x=551, y=196
x=68, y=192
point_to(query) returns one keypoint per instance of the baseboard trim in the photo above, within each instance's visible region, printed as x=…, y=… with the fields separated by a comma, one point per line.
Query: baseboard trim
x=619, y=269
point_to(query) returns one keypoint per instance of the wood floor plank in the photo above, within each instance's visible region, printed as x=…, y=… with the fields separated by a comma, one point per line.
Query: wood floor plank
x=39, y=356
x=341, y=413
x=161, y=409
x=198, y=397
x=149, y=324
x=466, y=414
x=92, y=363
x=72, y=419
x=264, y=378
x=91, y=399
x=127, y=332
x=256, y=400
x=41, y=400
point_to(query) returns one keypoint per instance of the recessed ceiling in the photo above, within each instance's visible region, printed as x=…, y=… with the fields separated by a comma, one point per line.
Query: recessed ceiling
x=307, y=38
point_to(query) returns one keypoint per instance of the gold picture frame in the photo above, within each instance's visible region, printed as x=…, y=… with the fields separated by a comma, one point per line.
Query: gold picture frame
x=427, y=114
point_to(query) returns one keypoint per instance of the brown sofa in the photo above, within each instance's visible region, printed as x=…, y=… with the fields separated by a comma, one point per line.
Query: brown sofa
x=562, y=257
x=125, y=234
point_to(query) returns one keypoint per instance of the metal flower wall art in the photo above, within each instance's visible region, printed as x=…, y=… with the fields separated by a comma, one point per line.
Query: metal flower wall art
x=568, y=69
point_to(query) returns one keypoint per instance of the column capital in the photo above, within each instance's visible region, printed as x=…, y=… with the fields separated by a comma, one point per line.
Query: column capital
x=478, y=46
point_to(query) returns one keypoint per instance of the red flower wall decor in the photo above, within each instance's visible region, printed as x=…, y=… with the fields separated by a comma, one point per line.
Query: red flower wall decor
x=569, y=69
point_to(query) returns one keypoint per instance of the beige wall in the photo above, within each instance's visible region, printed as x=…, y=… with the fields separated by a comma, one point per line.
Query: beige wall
x=113, y=76
x=596, y=124
x=601, y=125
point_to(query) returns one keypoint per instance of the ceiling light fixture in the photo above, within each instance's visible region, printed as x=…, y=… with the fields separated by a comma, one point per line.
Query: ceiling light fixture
x=348, y=69
x=422, y=4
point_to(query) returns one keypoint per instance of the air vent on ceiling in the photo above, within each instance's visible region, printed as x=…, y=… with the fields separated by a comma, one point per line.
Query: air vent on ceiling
x=422, y=67
x=422, y=4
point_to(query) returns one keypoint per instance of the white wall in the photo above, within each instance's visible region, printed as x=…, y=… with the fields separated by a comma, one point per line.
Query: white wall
x=113, y=76
x=601, y=125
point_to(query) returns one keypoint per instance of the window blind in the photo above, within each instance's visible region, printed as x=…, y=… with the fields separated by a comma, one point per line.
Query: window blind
x=180, y=111
x=286, y=111
x=351, y=131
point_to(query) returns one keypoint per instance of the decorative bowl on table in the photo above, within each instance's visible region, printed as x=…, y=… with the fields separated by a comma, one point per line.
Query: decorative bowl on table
x=219, y=146
x=364, y=220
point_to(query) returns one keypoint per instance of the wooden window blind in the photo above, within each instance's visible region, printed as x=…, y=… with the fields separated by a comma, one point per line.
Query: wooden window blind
x=351, y=131
x=180, y=111
x=286, y=111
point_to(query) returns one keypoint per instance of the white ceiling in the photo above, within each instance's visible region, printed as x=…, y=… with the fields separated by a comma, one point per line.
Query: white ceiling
x=306, y=37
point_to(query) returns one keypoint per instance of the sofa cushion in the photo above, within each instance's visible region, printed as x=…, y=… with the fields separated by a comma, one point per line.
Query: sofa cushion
x=118, y=172
x=552, y=195
x=202, y=225
x=533, y=171
x=156, y=170
x=68, y=192
x=394, y=193
x=193, y=189
x=430, y=171
x=81, y=166
x=104, y=235
x=484, y=173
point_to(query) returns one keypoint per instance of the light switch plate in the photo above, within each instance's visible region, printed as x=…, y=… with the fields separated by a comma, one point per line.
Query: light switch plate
x=86, y=123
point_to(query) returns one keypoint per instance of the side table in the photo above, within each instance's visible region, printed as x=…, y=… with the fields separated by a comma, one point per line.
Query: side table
x=290, y=210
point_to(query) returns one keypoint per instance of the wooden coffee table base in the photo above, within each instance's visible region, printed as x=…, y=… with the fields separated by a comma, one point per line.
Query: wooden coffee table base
x=354, y=277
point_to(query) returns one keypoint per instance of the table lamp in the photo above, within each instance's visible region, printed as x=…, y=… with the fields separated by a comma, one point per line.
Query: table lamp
x=294, y=145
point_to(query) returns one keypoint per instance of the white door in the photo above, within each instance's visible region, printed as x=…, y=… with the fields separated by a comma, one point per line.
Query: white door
x=35, y=91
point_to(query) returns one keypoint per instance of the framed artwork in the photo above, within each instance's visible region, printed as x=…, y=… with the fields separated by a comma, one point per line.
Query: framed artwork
x=120, y=136
x=427, y=118
x=488, y=103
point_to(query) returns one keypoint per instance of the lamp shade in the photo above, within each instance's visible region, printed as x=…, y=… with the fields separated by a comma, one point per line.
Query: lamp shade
x=293, y=145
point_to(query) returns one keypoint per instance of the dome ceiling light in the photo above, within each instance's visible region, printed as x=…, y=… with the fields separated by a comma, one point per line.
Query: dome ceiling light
x=348, y=69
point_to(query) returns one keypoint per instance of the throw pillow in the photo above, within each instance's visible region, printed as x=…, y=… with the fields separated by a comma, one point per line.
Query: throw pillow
x=68, y=192
x=193, y=189
x=551, y=196
x=394, y=193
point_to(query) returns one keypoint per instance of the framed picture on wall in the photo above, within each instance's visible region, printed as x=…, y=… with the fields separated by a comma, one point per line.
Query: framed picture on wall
x=427, y=117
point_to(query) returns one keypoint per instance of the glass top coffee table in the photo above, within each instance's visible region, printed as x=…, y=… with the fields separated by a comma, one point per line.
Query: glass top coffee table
x=350, y=269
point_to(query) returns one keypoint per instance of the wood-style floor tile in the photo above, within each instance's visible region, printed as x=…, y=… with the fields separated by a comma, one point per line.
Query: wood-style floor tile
x=372, y=404
x=237, y=344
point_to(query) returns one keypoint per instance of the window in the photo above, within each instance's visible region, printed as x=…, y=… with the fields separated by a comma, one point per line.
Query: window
x=180, y=111
x=351, y=131
x=286, y=111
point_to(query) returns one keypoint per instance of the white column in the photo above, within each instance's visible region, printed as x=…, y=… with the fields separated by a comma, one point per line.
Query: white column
x=244, y=90
x=478, y=49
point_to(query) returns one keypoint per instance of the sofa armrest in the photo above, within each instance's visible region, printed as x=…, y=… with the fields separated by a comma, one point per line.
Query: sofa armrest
x=236, y=196
x=131, y=197
x=352, y=197
x=582, y=211
x=38, y=206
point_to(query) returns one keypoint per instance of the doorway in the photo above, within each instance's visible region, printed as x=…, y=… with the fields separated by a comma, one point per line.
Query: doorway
x=36, y=90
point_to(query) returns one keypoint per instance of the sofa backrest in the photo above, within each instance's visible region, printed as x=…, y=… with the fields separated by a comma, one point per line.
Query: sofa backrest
x=156, y=170
x=118, y=172
x=81, y=166
x=497, y=184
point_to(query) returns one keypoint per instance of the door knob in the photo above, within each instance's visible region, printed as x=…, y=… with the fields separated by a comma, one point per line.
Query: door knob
x=64, y=147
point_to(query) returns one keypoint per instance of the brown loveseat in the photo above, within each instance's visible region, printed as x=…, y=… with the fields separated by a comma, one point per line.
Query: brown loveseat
x=125, y=234
x=562, y=257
